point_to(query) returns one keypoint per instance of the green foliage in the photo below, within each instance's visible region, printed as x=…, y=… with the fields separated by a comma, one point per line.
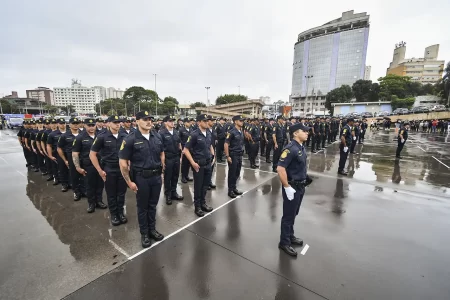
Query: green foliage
x=138, y=93
x=428, y=89
x=198, y=104
x=51, y=109
x=230, y=98
x=402, y=103
x=339, y=95
x=171, y=99
x=8, y=107
x=361, y=90
x=391, y=85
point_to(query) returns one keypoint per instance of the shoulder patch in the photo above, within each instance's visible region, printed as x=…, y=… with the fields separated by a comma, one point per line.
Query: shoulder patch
x=123, y=145
x=74, y=141
x=189, y=138
x=345, y=131
x=94, y=141
x=285, y=153
x=228, y=135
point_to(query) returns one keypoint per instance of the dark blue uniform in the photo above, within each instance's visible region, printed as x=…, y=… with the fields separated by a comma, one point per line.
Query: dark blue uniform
x=235, y=141
x=52, y=140
x=254, y=131
x=185, y=132
x=293, y=159
x=280, y=135
x=65, y=142
x=115, y=185
x=268, y=129
x=172, y=143
x=404, y=132
x=199, y=145
x=347, y=134
x=93, y=182
x=146, y=169
x=357, y=131
x=221, y=134
x=40, y=156
x=48, y=161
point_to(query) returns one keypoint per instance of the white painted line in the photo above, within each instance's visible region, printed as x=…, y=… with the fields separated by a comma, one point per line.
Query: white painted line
x=421, y=148
x=256, y=170
x=441, y=162
x=118, y=248
x=319, y=151
x=4, y=160
x=21, y=174
x=304, y=249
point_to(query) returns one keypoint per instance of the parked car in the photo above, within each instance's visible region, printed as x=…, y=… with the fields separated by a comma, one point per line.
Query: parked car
x=438, y=108
x=420, y=109
x=367, y=115
x=14, y=123
x=400, y=111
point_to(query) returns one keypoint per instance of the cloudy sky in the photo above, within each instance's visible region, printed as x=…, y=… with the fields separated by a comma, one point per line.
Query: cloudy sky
x=193, y=44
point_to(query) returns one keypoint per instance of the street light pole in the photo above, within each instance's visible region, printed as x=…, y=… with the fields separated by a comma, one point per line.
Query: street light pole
x=207, y=97
x=156, y=95
x=239, y=87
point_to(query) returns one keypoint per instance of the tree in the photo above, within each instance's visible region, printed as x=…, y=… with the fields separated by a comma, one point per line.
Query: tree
x=339, y=95
x=138, y=93
x=172, y=99
x=391, y=85
x=198, y=104
x=428, y=89
x=362, y=90
x=374, y=92
x=51, y=109
x=230, y=98
x=402, y=103
x=414, y=89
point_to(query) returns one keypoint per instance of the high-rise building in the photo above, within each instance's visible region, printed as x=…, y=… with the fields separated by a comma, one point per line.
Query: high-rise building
x=102, y=93
x=82, y=98
x=425, y=70
x=42, y=94
x=367, y=73
x=327, y=57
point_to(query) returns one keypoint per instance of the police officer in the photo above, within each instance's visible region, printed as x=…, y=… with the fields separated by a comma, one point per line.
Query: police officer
x=234, y=144
x=294, y=178
x=67, y=168
x=278, y=137
x=221, y=134
x=363, y=131
x=172, y=150
x=355, y=137
x=144, y=150
x=263, y=142
x=108, y=144
x=185, y=132
x=32, y=142
x=31, y=157
x=401, y=139
x=268, y=129
x=127, y=126
x=48, y=162
x=346, y=141
x=100, y=126
x=40, y=151
x=211, y=128
x=84, y=167
x=255, y=135
x=199, y=151
x=52, y=146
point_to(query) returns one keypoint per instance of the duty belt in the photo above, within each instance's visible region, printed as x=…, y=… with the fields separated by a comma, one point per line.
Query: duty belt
x=297, y=184
x=146, y=173
x=172, y=155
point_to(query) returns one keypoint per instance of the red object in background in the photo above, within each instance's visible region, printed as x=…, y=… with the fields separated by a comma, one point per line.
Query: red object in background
x=28, y=116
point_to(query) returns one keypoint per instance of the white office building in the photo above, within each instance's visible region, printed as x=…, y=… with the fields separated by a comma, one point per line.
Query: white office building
x=82, y=98
x=367, y=73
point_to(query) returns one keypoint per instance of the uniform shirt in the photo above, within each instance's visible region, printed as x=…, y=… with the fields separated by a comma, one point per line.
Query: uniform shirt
x=44, y=136
x=269, y=130
x=184, y=135
x=280, y=132
x=123, y=130
x=98, y=131
x=82, y=144
x=142, y=153
x=199, y=145
x=235, y=141
x=403, y=132
x=53, y=138
x=220, y=131
x=20, y=133
x=171, y=142
x=293, y=159
x=357, y=130
x=316, y=127
x=213, y=137
x=109, y=146
x=39, y=135
x=347, y=134
x=255, y=133
x=194, y=127
x=65, y=141
x=33, y=135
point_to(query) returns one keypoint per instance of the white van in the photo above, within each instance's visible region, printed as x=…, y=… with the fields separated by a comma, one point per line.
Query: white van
x=438, y=108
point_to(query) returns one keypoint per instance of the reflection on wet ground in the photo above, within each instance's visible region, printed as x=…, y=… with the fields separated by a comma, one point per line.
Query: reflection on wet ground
x=361, y=230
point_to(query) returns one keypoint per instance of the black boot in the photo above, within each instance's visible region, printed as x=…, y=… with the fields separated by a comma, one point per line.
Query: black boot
x=56, y=182
x=206, y=208
x=122, y=218
x=91, y=208
x=212, y=185
x=184, y=180
x=101, y=205
x=145, y=240
x=64, y=188
x=155, y=235
x=177, y=197
x=237, y=192
x=76, y=197
x=199, y=212
x=115, y=221
x=168, y=200
x=50, y=178
x=288, y=249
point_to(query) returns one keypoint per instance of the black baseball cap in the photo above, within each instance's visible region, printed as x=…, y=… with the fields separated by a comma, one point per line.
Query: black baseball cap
x=186, y=120
x=202, y=117
x=99, y=119
x=143, y=115
x=61, y=121
x=127, y=119
x=53, y=121
x=297, y=126
x=89, y=121
x=114, y=119
x=209, y=117
x=74, y=120
x=238, y=118
x=280, y=117
x=169, y=119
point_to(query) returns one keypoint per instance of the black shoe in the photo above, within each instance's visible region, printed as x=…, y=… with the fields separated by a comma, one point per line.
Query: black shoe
x=237, y=192
x=256, y=166
x=115, y=221
x=44, y=173
x=206, y=208
x=313, y=151
x=155, y=235
x=288, y=249
x=253, y=166
x=145, y=241
x=83, y=195
x=64, y=188
x=184, y=180
x=76, y=197
x=399, y=157
x=36, y=170
x=268, y=161
x=296, y=241
x=56, y=182
x=212, y=185
x=342, y=173
x=49, y=178
x=168, y=200
x=189, y=179
x=101, y=205
x=199, y=212
x=232, y=195
x=91, y=208
x=209, y=188
x=122, y=218
x=177, y=197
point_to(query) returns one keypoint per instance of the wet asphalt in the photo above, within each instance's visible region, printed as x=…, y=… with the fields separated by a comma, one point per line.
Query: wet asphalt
x=380, y=233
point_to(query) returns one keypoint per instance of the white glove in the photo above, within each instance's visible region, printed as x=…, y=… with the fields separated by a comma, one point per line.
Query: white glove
x=345, y=149
x=289, y=192
x=354, y=138
x=402, y=141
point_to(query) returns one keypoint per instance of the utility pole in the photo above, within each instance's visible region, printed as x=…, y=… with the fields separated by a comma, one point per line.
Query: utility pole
x=156, y=95
x=239, y=87
x=207, y=98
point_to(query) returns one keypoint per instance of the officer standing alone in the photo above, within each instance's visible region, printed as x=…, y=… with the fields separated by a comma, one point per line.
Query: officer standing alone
x=143, y=150
x=294, y=178
x=346, y=141
x=108, y=144
x=234, y=144
x=199, y=151
x=401, y=140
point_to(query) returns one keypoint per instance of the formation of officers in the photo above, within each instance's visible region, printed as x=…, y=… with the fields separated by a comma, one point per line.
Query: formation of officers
x=91, y=155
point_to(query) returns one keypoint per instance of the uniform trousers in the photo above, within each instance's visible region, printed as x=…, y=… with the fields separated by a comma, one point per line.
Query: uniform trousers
x=352, y=148
x=171, y=174
x=277, y=154
x=324, y=138
x=202, y=179
x=290, y=211
x=185, y=164
x=41, y=162
x=76, y=179
x=63, y=171
x=115, y=187
x=263, y=146
x=361, y=136
x=94, y=184
x=220, y=147
x=269, y=147
x=254, y=148
x=399, y=147
x=54, y=165
x=234, y=170
x=147, y=198
x=343, y=157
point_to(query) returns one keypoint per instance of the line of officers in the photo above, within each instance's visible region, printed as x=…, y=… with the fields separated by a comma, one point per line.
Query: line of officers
x=89, y=156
